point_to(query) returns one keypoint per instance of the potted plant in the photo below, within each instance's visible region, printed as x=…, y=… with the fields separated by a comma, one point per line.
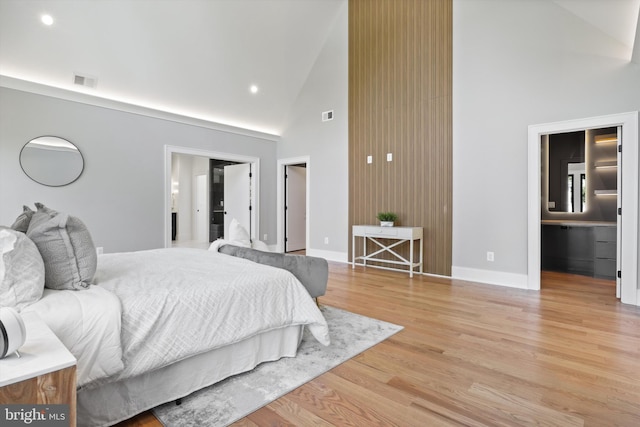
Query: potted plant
x=387, y=219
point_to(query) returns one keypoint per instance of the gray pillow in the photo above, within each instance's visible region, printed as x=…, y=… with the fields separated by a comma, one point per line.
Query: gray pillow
x=22, y=222
x=66, y=247
x=21, y=270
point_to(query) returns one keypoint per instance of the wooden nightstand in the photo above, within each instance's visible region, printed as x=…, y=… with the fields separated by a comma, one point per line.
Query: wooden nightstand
x=45, y=374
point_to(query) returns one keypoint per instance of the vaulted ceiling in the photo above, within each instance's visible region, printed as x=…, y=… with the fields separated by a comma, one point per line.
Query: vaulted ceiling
x=193, y=57
x=199, y=58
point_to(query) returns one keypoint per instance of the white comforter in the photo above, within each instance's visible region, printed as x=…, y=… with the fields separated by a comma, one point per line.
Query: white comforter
x=180, y=302
x=88, y=324
x=153, y=308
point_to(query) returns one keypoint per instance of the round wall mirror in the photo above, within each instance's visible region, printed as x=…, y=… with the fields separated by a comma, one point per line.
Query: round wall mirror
x=51, y=161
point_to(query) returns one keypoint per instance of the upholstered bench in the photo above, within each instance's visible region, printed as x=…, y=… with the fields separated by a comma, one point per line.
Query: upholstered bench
x=312, y=272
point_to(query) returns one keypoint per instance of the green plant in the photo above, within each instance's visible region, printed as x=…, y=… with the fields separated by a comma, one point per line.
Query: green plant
x=387, y=216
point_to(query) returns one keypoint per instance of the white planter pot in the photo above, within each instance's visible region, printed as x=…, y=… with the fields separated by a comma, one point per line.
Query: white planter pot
x=386, y=223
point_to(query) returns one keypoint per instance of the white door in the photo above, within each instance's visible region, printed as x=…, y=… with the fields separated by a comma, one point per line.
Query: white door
x=619, y=217
x=237, y=196
x=202, y=212
x=295, y=208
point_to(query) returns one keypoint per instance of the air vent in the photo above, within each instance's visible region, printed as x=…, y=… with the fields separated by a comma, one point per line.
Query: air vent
x=327, y=115
x=84, y=80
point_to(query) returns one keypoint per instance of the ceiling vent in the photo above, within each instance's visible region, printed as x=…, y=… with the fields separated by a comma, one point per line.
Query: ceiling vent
x=84, y=80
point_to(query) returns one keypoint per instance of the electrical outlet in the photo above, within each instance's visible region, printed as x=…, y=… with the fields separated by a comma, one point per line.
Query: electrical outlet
x=369, y=159
x=265, y=238
x=490, y=256
x=389, y=157
x=326, y=240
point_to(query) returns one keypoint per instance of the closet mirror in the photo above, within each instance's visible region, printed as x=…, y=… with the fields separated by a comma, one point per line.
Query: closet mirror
x=52, y=161
x=566, y=172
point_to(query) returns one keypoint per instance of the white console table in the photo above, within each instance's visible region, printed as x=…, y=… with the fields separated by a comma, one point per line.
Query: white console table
x=398, y=235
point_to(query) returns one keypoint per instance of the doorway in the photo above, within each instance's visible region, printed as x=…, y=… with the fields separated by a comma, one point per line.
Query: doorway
x=231, y=196
x=295, y=196
x=627, y=194
x=295, y=207
x=192, y=214
x=580, y=179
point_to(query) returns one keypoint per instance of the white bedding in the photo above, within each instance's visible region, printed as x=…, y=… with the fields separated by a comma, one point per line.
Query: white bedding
x=180, y=302
x=88, y=324
x=152, y=308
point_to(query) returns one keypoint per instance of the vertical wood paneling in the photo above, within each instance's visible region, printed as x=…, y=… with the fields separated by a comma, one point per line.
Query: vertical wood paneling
x=400, y=89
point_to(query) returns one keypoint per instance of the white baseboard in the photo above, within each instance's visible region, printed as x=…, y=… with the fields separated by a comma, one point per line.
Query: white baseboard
x=329, y=255
x=500, y=278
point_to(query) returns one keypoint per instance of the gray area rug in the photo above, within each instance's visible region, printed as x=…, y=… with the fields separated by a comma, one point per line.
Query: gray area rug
x=236, y=397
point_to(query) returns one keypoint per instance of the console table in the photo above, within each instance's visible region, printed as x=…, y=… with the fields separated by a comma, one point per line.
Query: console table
x=398, y=236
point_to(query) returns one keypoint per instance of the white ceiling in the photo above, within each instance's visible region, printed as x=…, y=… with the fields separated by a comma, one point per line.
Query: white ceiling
x=615, y=18
x=199, y=57
x=192, y=57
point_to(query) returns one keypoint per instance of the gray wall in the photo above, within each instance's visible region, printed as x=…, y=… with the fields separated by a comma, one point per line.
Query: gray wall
x=518, y=63
x=326, y=143
x=120, y=195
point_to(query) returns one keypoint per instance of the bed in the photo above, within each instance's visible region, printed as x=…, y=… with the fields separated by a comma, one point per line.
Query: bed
x=152, y=326
x=160, y=324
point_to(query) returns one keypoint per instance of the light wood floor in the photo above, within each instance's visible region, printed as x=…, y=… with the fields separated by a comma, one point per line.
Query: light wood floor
x=474, y=355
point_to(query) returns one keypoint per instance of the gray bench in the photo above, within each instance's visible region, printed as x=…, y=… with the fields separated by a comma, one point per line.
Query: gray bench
x=312, y=272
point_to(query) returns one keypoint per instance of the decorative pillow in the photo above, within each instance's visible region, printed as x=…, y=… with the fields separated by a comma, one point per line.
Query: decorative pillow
x=238, y=234
x=21, y=270
x=22, y=222
x=69, y=255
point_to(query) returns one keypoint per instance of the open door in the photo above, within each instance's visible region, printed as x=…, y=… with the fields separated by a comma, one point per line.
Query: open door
x=295, y=208
x=237, y=196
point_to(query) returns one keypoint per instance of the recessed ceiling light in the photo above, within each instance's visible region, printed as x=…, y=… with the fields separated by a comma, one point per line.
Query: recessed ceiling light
x=47, y=19
x=253, y=89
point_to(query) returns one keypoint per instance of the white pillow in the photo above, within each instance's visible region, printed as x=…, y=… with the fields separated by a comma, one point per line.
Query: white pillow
x=238, y=234
x=261, y=246
x=215, y=245
x=21, y=270
x=7, y=242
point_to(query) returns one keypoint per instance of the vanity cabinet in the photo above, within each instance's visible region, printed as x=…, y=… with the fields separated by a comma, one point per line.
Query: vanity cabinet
x=568, y=248
x=579, y=248
x=604, y=262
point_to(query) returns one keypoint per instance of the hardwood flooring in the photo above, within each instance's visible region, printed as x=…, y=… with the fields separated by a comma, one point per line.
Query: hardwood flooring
x=473, y=355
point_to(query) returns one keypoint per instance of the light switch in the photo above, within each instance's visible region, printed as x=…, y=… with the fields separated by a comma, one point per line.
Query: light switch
x=369, y=159
x=389, y=157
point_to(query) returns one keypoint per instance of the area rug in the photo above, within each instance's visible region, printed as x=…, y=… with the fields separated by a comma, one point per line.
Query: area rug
x=234, y=398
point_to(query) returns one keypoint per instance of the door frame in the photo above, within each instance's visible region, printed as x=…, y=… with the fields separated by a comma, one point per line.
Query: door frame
x=289, y=170
x=169, y=150
x=280, y=198
x=628, y=195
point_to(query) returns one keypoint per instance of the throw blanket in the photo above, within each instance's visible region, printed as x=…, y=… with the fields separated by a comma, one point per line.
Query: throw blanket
x=180, y=302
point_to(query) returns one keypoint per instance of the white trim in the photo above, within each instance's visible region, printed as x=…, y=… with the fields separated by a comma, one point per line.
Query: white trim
x=490, y=277
x=171, y=149
x=113, y=104
x=628, y=195
x=280, y=199
x=342, y=257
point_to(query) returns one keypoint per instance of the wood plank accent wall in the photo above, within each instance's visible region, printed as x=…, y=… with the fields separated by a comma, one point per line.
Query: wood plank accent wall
x=400, y=96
